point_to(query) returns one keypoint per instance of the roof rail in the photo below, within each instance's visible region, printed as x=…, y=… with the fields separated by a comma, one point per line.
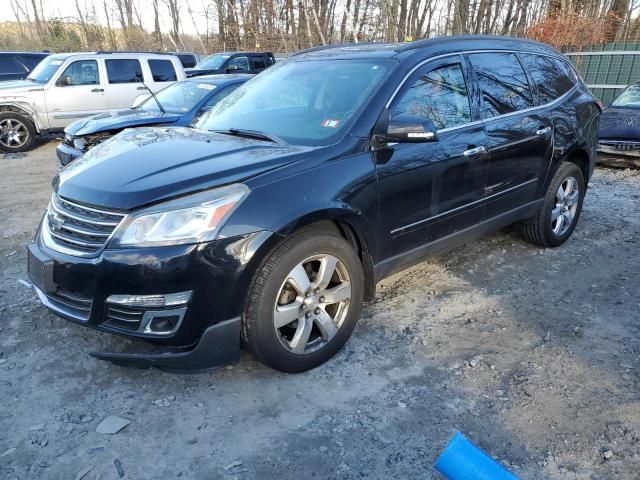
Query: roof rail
x=328, y=47
x=133, y=51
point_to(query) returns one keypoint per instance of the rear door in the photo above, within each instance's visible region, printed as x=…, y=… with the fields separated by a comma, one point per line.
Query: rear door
x=76, y=93
x=259, y=63
x=520, y=136
x=430, y=190
x=124, y=82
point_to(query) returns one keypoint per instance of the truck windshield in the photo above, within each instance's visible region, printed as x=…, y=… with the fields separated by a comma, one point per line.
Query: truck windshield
x=302, y=102
x=46, y=69
x=630, y=98
x=213, y=62
x=178, y=97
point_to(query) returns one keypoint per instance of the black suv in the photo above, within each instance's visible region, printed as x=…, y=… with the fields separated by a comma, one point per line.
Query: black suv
x=17, y=65
x=232, y=62
x=274, y=219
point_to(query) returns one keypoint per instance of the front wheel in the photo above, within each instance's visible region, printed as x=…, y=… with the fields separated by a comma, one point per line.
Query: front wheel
x=17, y=132
x=304, y=301
x=561, y=209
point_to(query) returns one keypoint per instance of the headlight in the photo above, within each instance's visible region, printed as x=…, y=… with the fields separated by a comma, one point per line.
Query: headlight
x=192, y=219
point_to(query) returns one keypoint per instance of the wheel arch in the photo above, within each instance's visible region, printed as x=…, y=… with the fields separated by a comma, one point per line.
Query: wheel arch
x=22, y=110
x=580, y=157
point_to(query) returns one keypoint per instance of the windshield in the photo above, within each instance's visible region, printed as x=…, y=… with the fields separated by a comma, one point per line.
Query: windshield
x=630, y=98
x=304, y=103
x=46, y=69
x=178, y=97
x=213, y=62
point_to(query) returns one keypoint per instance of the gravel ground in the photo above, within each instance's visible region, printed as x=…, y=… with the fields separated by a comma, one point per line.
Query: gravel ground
x=533, y=353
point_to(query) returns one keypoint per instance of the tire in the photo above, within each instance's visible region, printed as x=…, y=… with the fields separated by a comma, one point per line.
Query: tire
x=276, y=293
x=17, y=132
x=542, y=229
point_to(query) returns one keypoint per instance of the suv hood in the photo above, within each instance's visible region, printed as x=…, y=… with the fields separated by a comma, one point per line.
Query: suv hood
x=19, y=86
x=620, y=123
x=117, y=120
x=147, y=165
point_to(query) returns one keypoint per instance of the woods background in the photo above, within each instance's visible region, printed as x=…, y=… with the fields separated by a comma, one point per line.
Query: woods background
x=289, y=25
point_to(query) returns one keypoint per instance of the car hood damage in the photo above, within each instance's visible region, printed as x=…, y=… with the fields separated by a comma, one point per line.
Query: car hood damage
x=620, y=124
x=118, y=120
x=146, y=165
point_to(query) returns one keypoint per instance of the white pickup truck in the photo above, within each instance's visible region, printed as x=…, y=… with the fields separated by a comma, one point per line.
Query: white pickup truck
x=66, y=87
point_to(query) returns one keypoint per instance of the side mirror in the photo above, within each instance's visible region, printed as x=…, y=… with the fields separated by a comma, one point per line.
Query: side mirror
x=64, y=81
x=403, y=129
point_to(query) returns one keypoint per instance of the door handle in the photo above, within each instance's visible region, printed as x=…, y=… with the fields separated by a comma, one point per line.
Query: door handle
x=475, y=151
x=96, y=90
x=543, y=131
x=140, y=88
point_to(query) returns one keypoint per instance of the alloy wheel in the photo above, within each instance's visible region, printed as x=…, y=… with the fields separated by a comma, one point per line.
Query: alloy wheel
x=13, y=133
x=312, y=304
x=567, y=197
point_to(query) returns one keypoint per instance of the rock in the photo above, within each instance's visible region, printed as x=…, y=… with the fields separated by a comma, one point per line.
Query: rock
x=112, y=424
x=119, y=468
x=402, y=405
x=234, y=464
x=547, y=337
x=607, y=454
x=83, y=473
x=37, y=428
x=473, y=363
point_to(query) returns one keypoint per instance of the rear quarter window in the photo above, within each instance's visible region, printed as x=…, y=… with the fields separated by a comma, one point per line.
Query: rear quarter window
x=503, y=84
x=162, y=71
x=553, y=77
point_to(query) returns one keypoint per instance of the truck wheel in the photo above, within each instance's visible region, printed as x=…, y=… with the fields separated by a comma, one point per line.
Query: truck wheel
x=304, y=301
x=17, y=132
x=562, y=206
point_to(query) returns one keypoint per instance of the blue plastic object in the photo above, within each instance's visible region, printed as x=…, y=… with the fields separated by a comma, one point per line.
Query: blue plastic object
x=462, y=460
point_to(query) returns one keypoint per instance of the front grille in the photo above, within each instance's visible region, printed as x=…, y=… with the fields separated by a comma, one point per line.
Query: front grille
x=79, y=228
x=621, y=145
x=125, y=318
x=72, y=303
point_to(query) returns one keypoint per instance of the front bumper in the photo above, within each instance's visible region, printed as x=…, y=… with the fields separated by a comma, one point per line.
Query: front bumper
x=67, y=154
x=217, y=273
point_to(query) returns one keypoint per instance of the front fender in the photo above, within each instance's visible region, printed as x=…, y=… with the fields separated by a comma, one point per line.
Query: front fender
x=26, y=107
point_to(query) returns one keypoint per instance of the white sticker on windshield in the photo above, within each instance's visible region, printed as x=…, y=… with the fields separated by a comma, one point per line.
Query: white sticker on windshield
x=56, y=62
x=206, y=86
x=330, y=123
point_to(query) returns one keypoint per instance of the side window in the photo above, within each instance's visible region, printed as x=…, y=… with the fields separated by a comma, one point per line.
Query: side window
x=31, y=61
x=241, y=62
x=82, y=72
x=552, y=76
x=162, y=71
x=258, y=62
x=439, y=95
x=11, y=65
x=220, y=96
x=503, y=84
x=124, y=71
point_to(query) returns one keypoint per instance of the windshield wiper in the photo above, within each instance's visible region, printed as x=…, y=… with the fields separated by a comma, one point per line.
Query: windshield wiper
x=154, y=97
x=241, y=132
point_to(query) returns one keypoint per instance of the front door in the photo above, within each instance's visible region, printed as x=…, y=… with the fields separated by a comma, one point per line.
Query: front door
x=76, y=93
x=430, y=190
x=520, y=136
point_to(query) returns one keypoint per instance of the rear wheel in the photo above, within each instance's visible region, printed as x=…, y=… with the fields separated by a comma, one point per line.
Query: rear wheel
x=304, y=302
x=561, y=209
x=17, y=132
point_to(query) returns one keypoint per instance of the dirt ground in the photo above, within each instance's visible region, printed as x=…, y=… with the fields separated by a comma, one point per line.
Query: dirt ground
x=533, y=353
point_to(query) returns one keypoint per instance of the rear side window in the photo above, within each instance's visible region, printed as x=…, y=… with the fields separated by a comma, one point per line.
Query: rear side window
x=503, y=83
x=188, y=61
x=258, y=62
x=552, y=77
x=242, y=63
x=162, y=71
x=124, y=71
x=11, y=65
x=439, y=95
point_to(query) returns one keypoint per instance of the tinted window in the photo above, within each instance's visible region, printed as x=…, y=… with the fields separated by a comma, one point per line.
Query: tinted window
x=439, y=95
x=552, y=76
x=162, y=71
x=31, y=60
x=11, y=65
x=258, y=63
x=82, y=72
x=241, y=62
x=124, y=71
x=188, y=61
x=503, y=84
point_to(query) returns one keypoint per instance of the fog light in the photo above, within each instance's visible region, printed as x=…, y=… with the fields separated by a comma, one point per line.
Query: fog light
x=163, y=322
x=152, y=301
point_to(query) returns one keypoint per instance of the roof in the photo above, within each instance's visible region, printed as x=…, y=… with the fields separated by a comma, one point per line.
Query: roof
x=43, y=54
x=436, y=45
x=220, y=79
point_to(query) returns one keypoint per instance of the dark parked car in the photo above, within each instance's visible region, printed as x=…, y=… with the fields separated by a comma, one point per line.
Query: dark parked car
x=17, y=65
x=274, y=220
x=232, y=62
x=619, y=134
x=188, y=59
x=179, y=104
